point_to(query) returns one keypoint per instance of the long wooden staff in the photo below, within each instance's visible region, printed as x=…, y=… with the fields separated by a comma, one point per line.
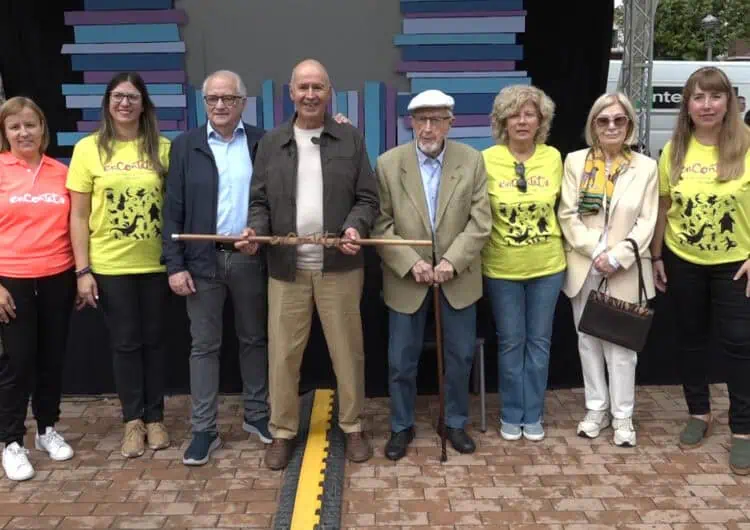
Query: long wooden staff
x=291, y=239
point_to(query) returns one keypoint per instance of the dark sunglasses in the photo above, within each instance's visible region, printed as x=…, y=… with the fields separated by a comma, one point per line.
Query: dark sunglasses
x=521, y=174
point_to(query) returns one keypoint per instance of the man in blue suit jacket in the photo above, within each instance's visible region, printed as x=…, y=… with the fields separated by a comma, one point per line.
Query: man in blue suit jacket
x=208, y=192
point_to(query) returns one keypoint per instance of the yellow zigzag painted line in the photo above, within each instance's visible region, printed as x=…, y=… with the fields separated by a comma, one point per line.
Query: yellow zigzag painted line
x=307, y=503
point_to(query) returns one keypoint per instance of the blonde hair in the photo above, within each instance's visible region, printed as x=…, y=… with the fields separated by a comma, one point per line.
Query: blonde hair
x=734, y=136
x=14, y=106
x=601, y=103
x=509, y=101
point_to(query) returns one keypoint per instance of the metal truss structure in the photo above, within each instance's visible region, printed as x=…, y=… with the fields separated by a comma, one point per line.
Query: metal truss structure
x=637, y=63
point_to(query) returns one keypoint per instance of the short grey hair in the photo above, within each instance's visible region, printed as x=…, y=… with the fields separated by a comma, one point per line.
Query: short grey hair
x=241, y=88
x=607, y=100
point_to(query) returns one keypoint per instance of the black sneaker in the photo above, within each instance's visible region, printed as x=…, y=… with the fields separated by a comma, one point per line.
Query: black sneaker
x=200, y=448
x=259, y=427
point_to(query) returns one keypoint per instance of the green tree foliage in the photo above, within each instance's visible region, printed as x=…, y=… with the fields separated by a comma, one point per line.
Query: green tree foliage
x=678, y=33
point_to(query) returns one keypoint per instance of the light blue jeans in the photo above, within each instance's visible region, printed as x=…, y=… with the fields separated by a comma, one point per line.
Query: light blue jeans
x=523, y=311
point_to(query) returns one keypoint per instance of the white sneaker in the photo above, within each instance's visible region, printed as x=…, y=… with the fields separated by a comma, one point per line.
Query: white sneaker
x=624, y=432
x=16, y=462
x=54, y=444
x=593, y=423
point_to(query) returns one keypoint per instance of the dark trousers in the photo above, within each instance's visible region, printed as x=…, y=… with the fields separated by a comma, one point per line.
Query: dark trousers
x=405, y=342
x=244, y=279
x=33, y=352
x=134, y=307
x=706, y=299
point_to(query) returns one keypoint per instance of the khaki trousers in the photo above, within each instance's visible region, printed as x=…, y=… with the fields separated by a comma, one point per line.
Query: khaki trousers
x=336, y=295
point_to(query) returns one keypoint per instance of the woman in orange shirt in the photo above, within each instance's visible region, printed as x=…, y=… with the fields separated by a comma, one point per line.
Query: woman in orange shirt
x=37, y=285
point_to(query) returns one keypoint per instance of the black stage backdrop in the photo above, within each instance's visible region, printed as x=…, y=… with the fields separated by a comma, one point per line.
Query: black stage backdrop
x=32, y=33
x=567, y=50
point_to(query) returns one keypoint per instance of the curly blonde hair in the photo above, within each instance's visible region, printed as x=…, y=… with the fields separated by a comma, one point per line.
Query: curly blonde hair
x=509, y=102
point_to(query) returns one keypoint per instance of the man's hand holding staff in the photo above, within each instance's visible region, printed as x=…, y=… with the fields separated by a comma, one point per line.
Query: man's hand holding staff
x=245, y=245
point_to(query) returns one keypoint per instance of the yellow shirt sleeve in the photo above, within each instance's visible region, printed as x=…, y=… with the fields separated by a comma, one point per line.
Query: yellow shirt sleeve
x=164, y=148
x=664, y=171
x=558, y=170
x=80, y=176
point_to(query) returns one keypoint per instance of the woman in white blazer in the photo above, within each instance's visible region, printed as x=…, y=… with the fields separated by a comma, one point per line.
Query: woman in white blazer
x=609, y=194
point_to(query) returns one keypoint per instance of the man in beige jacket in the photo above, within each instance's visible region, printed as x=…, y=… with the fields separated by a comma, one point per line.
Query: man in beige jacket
x=432, y=188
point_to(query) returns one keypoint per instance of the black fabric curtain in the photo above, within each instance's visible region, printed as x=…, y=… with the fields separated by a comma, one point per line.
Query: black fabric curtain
x=32, y=33
x=567, y=50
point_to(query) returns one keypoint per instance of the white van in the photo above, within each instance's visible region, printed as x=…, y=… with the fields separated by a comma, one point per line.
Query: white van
x=668, y=79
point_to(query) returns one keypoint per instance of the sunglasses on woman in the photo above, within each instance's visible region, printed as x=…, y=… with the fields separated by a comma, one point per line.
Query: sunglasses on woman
x=606, y=121
x=521, y=174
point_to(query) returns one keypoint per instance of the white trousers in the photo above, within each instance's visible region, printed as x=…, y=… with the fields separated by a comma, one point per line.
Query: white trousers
x=596, y=355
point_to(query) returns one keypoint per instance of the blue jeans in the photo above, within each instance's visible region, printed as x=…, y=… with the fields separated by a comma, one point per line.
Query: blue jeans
x=523, y=312
x=405, y=341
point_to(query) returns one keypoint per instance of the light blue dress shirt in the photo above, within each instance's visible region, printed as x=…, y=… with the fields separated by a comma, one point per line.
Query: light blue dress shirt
x=235, y=172
x=431, y=170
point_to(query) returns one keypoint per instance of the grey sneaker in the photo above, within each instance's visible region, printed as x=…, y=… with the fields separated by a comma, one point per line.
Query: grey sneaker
x=533, y=431
x=696, y=430
x=593, y=423
x=510, y=431
x=739, y=456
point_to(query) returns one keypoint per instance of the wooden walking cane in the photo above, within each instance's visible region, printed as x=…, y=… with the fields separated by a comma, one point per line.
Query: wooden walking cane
x=439, y=351
x=441, y=383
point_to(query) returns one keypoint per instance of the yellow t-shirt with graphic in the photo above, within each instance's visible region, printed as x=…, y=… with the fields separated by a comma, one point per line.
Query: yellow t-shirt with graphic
x=709, y=221
x=126, y=205
x=526, y=241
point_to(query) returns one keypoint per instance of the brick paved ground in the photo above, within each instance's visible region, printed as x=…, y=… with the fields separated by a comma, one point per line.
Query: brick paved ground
x=563, y=482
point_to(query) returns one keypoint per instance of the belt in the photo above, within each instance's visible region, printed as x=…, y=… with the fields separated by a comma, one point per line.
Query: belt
x=225, y=247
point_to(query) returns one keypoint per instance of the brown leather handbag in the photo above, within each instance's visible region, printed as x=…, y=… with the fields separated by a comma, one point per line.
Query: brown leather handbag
x=617, y=321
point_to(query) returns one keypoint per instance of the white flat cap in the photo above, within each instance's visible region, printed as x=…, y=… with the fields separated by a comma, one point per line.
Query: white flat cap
x=430, y=99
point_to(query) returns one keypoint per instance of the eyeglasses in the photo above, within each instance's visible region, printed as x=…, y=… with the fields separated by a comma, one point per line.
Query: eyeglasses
x=435, y=120
x=618, y=121
x=229, y=101
x=117, y=97
x=521, y=174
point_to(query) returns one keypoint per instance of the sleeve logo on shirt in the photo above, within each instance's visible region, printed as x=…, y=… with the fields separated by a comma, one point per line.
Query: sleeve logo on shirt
x=28, y=198
x=707, y=221
x=134, y=213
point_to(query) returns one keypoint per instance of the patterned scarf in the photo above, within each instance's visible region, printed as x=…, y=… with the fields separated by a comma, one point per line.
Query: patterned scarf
x=596, y=183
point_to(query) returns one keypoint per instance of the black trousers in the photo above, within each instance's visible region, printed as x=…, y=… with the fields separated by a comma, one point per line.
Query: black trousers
x=33, y=355
x=134, y=307
x=707, y=299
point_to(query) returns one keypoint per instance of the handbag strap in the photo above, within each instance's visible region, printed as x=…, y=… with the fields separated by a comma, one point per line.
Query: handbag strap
x=642, y=295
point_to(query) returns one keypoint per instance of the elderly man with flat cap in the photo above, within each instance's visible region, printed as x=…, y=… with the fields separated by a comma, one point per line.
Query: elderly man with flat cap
x=431, y=188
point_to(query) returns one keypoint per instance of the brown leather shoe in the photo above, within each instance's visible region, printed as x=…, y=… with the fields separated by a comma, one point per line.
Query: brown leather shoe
x=358, y=447
x=278, y=453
